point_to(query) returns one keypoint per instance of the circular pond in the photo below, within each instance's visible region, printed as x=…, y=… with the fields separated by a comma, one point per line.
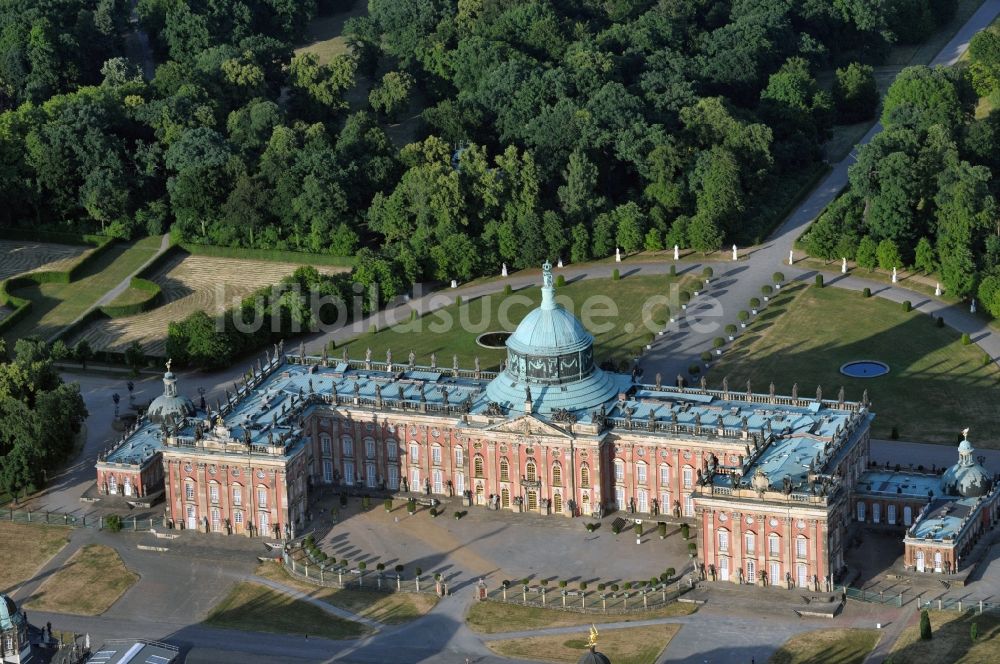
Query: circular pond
x=493, y=339
x=865, y=369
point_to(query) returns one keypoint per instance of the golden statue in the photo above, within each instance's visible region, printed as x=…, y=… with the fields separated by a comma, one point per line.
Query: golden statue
x=592, y=641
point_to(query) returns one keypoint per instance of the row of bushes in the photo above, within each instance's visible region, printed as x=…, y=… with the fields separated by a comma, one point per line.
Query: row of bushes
x=666, y=577
x=20, y=306
x=278, y=255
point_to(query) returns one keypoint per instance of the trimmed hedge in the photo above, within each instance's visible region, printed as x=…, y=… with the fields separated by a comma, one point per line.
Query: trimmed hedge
x=20, y=305
x=266, y=255
x=131, y=309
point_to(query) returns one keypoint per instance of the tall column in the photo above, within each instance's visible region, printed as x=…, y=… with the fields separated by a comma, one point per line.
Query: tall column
x=789, y=562
x=737, y=545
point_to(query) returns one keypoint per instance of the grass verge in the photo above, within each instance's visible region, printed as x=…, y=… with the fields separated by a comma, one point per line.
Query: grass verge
x=497, y=617
x=631, y=645
x=827, y=646
x=88, y=584
x=26, y=548
x=251, y=607
x=951, y=640
x=386, y=608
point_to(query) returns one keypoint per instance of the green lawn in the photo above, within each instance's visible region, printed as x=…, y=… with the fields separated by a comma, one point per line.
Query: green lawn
x=497, y=617
x=57, y=305
x=631, y=645
x=615, y=318
x=951, y=640
x=827, y=646
x=251, y=607
x=130, y=296
x=936, y=386
x=88, y=584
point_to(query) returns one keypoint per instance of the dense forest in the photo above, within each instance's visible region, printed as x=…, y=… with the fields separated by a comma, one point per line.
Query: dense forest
x=922, y=193
x=40, y=416
x=548, y=128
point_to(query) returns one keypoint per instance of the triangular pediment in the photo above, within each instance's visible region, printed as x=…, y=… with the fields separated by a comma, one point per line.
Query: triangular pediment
x=529, y=425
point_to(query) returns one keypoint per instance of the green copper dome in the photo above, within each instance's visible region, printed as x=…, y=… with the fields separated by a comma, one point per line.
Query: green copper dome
x=966, y=478
x=10, y=616
x=550, y=362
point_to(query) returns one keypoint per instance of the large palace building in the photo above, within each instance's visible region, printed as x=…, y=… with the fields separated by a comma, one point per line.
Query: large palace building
x=771, y=481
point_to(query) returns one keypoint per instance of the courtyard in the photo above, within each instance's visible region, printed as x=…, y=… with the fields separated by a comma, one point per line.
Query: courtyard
x=496, y=545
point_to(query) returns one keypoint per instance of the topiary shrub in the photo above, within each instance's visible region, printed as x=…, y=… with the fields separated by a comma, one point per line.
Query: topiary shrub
x=754, y=302
x=583, y=585
x=670, y=572
x=939, y=321
x=986, y=359
x=925, y=626
x=685, y=297
x=708, y=272
x=614, y=587
x=661, y=529
x=766, y=290
x=616, y=528
x=562, y=583
x=507, y=290
x=560, y=281
x=974, y=631
x=731, y=329
x=777, y=277
x=113, y=523
x=399, y=569
x=601, y=587
x=867, y=292
x=819, y=280
x=685, y=531
x=638, y=530
x=387, y=504
x=616, y=275
x=718, y=342
x=628, y=585
x=706, y=356
x=744, y=316
x=544, y=582
x=907, y=305
x=673, y=270
x=966, y=339
x=362, y=566
x=694, y=369
x=380, y=567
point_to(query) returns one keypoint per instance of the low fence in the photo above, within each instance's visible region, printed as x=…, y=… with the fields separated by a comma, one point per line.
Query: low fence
x=591, y=601
x=97, y=521
x=331, y=576
x=901, y=598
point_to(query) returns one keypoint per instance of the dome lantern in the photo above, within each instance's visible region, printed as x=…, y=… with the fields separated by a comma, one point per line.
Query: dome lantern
x=967, y=478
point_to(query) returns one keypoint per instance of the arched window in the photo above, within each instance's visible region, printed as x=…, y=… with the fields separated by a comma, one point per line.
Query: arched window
x=477, y=466
x=800, y=546
x=750, y=539
x=774, y=544
x=619, y=470
x=723, y=540
x=585, y=476
x=504, y=470
x=436, y=455
x=664, y=475
x=556, y=475
x=530, y=473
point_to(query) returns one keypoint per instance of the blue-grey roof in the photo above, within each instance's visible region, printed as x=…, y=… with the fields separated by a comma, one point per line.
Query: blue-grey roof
x=967, y=477
x=903, y=483
x=943, y=519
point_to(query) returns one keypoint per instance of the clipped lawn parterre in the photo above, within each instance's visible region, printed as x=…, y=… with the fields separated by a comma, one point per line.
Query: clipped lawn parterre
x=251, y=607
x=55, y=305
x=951, y=640
x=615, y=320
x=386, y=608
x=498, y=617
x=936, y=385
x=20, y=257
x=189, y=283
x=827, y=646
x=26, y=548
x=88, y=584
x=629, y=645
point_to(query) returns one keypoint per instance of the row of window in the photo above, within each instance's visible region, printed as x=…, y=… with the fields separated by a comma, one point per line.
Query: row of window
x=213, y=494
x=774, y=577
x=641, y=473
x=215, y=519
x=890, y=513
x=773, y=544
